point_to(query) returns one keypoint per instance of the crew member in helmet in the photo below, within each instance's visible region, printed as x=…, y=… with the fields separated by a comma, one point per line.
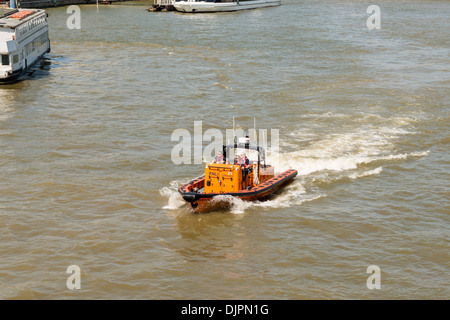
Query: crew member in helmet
x=244, y=160
x=237, y=159
x=219, y=158
x=245, y=165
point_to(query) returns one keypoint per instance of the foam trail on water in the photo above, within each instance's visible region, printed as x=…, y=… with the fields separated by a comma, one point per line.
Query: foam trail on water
x=366, y=173
x=343, y=151
x=306, y=165
x=237, y=206
x=175, y=200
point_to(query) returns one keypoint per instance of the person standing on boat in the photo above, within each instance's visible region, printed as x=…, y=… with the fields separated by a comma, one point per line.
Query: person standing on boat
x=245, y=164
x=244, y=160
x=219, y=158
x=237, y=159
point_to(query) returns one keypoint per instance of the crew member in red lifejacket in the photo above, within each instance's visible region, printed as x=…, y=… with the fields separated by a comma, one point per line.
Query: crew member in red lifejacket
x=237, y=159
x=219, y=158
x=245, y=165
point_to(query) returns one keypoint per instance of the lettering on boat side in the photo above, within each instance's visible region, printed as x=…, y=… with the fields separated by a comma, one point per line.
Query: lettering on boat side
x=74, y=21
x=74, y=280
x=32, y=24
x=230, y=309
x=374, y=21
x=374, y=280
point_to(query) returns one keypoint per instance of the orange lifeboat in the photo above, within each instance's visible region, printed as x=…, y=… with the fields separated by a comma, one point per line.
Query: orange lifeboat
x=249, y=181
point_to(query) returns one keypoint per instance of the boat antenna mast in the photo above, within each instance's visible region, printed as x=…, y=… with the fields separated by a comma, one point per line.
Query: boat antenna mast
x=234, y=134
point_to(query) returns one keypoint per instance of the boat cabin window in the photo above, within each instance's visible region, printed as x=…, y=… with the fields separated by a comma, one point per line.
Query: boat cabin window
x=5, y=59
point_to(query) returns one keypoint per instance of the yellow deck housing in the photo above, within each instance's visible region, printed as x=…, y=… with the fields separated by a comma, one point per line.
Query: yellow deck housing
x=222, y=178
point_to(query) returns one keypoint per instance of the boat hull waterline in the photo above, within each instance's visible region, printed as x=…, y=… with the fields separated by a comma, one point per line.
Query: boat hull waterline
x=205, y=202
x=205, y=6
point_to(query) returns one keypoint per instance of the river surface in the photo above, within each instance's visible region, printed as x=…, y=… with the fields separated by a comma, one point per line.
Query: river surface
x=88, y=177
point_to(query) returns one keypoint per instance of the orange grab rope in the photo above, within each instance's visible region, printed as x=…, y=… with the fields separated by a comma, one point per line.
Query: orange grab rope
x=21, y=14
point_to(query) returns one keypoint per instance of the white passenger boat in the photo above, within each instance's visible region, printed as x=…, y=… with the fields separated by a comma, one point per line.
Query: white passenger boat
x=222, y=5
x=23, y=41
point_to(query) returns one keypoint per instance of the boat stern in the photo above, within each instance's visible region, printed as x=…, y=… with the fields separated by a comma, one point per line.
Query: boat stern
x=7, y=48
